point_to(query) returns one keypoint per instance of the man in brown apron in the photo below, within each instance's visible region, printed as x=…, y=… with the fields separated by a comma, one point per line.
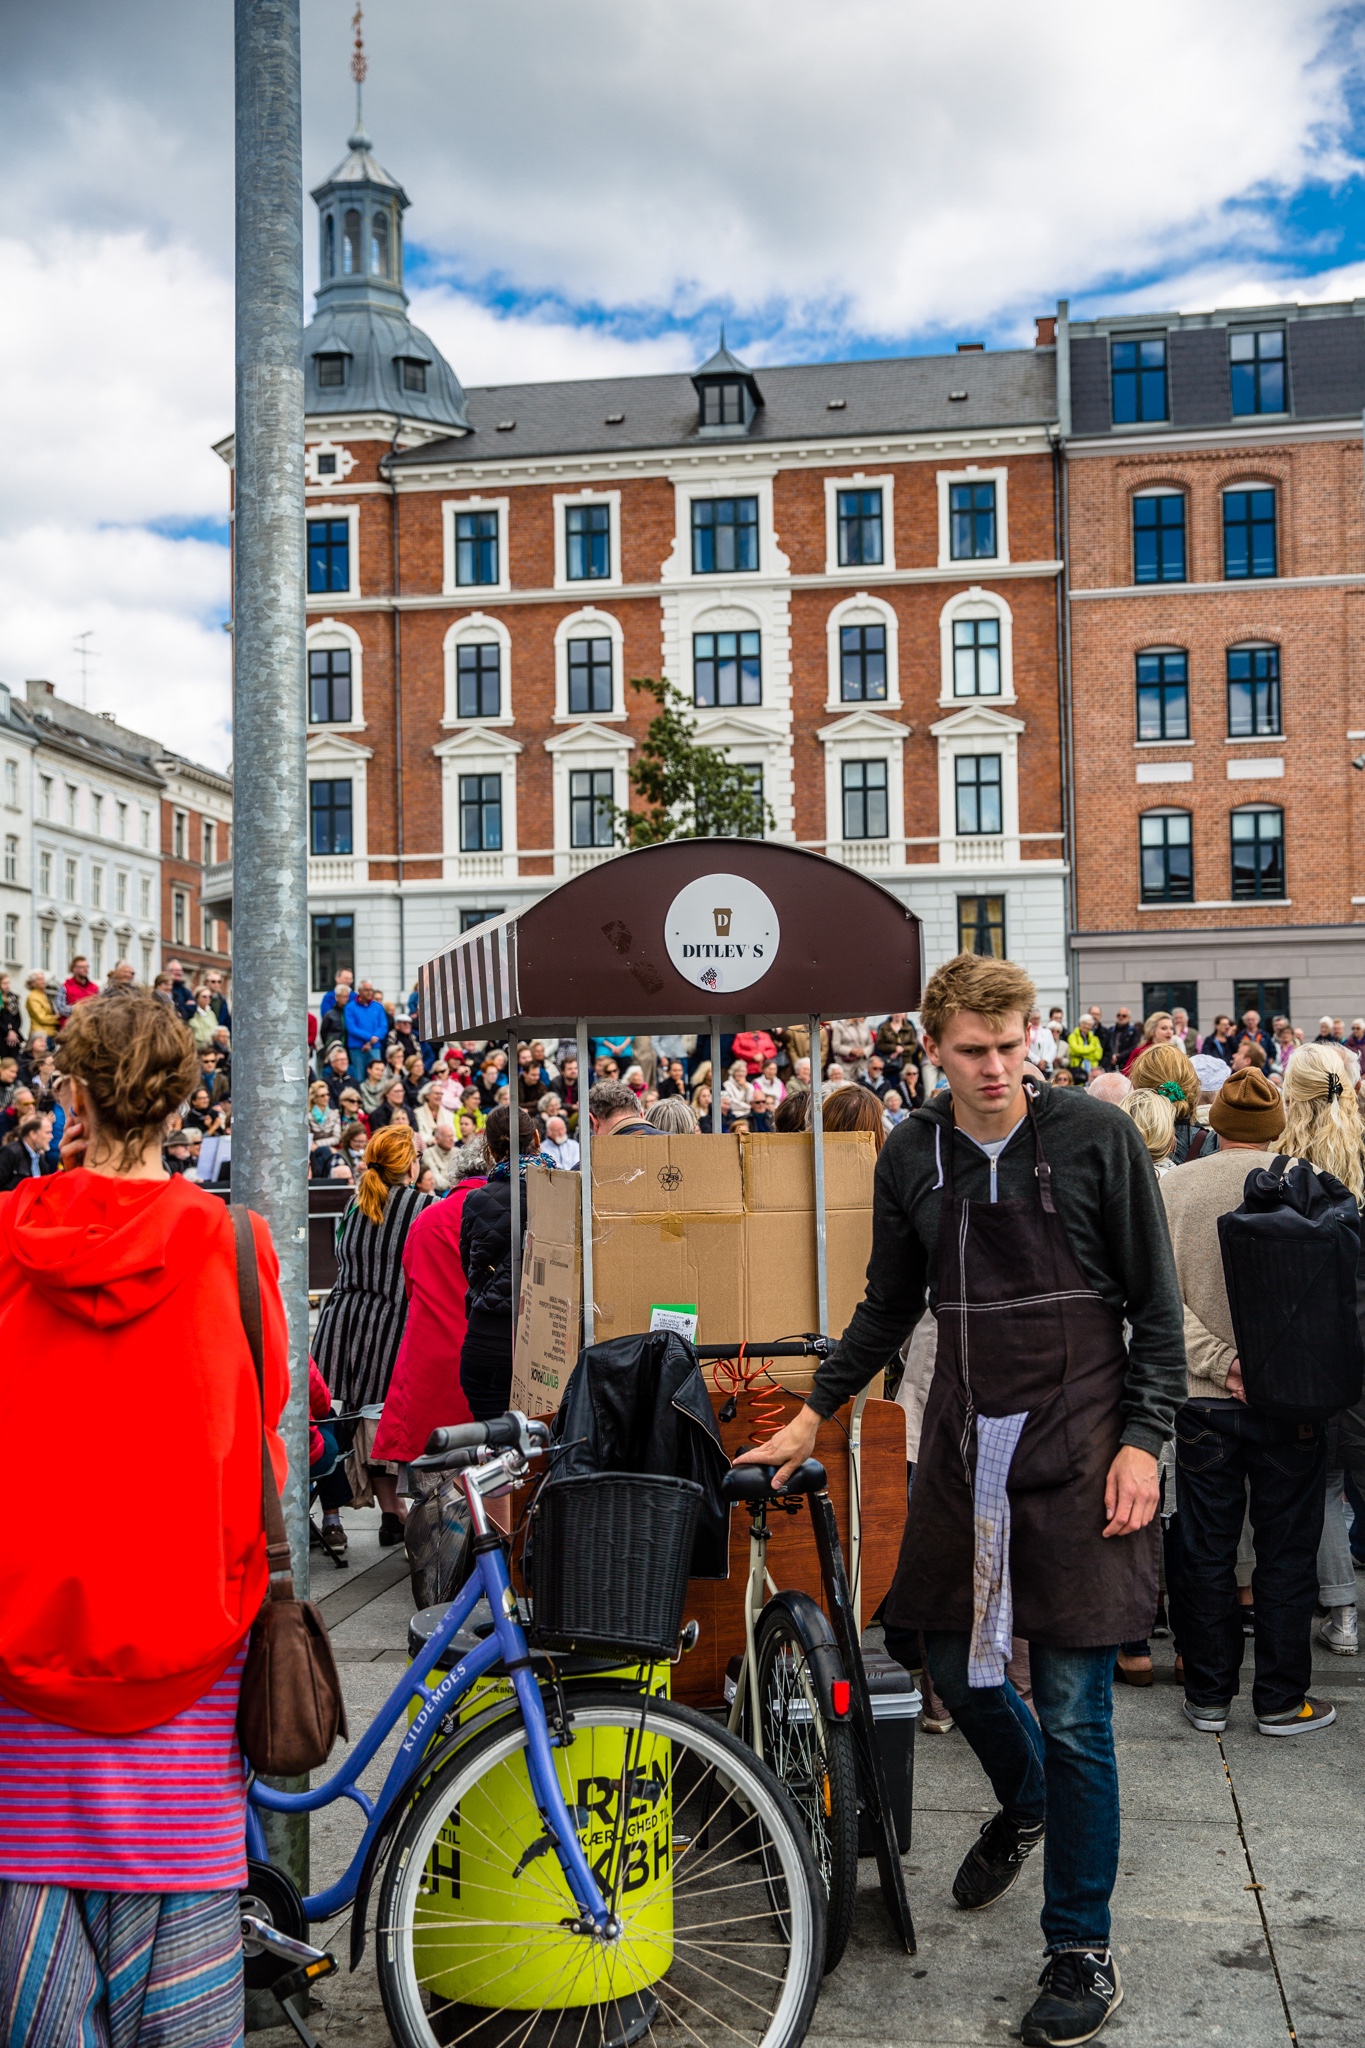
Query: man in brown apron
x=1032, y=1217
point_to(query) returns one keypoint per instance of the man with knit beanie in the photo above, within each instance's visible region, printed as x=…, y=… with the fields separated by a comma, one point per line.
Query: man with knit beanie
x=1222, y=1447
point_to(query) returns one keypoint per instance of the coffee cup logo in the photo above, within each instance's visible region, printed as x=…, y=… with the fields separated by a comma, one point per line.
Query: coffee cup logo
x=721, y=946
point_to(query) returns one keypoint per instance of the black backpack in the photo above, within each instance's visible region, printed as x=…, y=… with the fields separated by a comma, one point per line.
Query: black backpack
x=1290, y=1255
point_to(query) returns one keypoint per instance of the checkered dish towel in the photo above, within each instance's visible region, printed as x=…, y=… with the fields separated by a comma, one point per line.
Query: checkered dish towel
x=997, y=1438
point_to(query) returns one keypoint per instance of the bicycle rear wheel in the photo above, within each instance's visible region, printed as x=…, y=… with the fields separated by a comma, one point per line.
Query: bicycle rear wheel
x=707, y=1868
x=813, y=1756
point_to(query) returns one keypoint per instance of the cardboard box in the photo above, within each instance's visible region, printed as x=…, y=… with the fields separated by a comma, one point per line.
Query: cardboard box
x=727, y=1222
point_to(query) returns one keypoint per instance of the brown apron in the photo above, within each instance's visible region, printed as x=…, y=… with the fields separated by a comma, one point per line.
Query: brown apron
x=1020, y=1329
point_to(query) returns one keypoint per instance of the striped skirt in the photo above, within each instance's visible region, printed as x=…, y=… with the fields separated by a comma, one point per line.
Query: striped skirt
x=119, y=1969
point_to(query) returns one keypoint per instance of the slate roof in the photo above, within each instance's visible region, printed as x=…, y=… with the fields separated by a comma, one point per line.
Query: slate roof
x=1007, y=389
x=374, y=339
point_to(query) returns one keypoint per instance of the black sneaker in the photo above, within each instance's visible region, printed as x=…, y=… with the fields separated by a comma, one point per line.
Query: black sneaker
x=390, y=1531
x=991, y=1865
x=1079, y=1992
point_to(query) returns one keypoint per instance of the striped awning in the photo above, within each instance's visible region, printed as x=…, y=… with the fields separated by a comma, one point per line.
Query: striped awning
x=474, y=984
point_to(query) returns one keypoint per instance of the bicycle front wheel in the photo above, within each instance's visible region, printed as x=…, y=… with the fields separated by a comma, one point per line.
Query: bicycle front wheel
x=695, y=1847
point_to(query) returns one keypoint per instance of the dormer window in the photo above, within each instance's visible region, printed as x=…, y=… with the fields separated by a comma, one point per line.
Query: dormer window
x=412, y=374
x=331, y=372
x=727, y=394
x=722, y=405
x=379, y=245
x=350, y=242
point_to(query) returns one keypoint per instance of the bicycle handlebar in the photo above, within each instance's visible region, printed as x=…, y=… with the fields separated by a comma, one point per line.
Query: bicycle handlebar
x=501, y=1434
x=792, y=1347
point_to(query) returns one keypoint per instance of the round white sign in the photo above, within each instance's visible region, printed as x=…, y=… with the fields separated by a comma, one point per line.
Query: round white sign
x=722, y=933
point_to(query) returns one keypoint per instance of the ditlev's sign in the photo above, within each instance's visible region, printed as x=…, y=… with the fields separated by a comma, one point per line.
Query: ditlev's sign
x=722, y=933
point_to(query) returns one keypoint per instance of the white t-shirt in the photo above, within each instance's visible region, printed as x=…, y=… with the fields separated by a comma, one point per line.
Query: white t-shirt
x=993, y=1150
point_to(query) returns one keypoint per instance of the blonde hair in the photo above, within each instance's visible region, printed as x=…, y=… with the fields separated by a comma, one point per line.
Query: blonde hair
x=1154, y=1116
x=1322, y=1127
x=994, y=989
x=387, y=1163
x=1149, y=1024
x=1169, y=1064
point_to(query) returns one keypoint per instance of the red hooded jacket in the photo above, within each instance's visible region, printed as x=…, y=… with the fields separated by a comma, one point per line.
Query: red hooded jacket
x=121, y=1344
x=425, y=1391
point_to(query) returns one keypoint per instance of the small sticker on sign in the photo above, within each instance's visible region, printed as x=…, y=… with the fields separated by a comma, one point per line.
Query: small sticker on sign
x=675, y=1315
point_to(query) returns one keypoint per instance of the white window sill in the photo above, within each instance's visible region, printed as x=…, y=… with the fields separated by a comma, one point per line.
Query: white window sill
x=1256, y=739
x=589, y=718
x=847, y=706
x=460, y=725
x=1240, y=903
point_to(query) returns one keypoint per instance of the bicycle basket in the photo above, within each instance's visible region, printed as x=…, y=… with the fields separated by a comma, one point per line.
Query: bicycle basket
x=608, y=1562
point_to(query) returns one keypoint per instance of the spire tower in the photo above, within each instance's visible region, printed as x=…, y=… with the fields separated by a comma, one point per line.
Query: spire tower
x=360, y=66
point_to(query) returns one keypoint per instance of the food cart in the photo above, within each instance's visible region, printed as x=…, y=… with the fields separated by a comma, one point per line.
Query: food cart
x=721, y=935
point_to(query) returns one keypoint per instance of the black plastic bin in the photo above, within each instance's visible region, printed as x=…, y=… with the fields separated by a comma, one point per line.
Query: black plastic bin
x=607, y=1562
x=895, y=1709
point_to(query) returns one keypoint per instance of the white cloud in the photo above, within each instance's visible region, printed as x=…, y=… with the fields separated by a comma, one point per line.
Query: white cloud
x=488, y=347
x=162, y=662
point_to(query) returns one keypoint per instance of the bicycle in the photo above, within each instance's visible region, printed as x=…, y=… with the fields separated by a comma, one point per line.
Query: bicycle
x=574, y=1864
x=800, y=1692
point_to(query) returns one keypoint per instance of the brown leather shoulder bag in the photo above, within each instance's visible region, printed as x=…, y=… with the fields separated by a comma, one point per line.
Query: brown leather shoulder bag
x=291, y=1709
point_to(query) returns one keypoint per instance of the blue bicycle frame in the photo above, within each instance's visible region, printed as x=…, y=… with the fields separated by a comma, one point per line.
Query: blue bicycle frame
x=506, y=1643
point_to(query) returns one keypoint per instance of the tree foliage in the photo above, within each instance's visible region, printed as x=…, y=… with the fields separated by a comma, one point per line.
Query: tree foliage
x=687, y=789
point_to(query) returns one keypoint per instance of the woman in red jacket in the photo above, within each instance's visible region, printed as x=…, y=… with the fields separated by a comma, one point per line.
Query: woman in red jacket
x=121, y=1789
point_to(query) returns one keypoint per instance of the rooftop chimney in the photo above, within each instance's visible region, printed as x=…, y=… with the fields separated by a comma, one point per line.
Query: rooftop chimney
x=971, y=348
x=1046, y=326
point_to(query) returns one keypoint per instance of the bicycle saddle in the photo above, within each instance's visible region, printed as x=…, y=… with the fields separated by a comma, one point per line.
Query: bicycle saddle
x=755, y=1482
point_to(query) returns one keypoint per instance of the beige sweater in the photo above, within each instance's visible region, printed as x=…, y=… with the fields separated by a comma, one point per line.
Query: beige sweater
x=1196, y=1195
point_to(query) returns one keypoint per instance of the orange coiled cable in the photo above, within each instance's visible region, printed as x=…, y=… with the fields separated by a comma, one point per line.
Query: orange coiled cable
x=747, y=1374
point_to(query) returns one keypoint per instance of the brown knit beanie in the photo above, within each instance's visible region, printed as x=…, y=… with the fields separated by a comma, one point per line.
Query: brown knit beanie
x=1248, y=1109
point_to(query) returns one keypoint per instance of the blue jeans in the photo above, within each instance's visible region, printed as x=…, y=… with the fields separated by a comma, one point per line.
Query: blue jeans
x=1059, y=1768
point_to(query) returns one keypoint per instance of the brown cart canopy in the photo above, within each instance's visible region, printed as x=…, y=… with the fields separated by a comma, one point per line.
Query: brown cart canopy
x=730, y=928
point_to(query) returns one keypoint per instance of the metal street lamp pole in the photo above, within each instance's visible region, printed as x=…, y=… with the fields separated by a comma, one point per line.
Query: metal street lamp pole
x=269, y=866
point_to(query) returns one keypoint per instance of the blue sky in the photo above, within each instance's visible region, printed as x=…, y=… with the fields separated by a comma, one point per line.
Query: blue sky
x=594, y=188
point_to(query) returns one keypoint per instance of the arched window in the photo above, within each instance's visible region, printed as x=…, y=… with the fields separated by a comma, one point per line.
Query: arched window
x=379, y=244
x=329, y=246
x=350, y=249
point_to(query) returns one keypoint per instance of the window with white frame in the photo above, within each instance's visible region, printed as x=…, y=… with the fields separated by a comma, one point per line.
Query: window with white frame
x=44, y=872
x=96, y=812
x=45, y=787
x=72, y=881
x=179, y=916
x=478, y=670
x=146, y=962
x=587, y=534
x=481, y=814
x=121, y=815
x=862, y=664
x=144, y=896
x=11, y=856
x=73, y=797
x=208, y=836
x=206, y=932
x=973, y=516
x=591, y=821
x=865, y=800
x=589, y=665
x=476, y=544
x=335, y=662
x=45, y=948
x=11, y=939
x=977, y=648
x=146, y=829
x=976, y=657
x=12, y=784
x=859, y=523
x=97, y=886
x=97, y=956
x=979, y=795
x=727, y=669
x=862, y=640
x=179, y=829
x=121, y=890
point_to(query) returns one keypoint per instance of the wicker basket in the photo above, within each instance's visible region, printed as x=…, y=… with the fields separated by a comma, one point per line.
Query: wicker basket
x=608, y=1562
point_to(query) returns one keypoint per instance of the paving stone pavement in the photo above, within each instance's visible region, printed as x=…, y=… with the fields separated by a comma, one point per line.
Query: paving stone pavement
x=1204, y=1957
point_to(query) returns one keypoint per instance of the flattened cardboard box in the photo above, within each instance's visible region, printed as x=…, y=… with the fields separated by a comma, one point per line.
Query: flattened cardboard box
x=727, y=1222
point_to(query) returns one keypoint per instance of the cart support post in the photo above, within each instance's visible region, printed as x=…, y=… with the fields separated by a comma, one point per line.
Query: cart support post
x=514, y=1165
x=817, y=1127
x=715, y=1075
x=585, y=1175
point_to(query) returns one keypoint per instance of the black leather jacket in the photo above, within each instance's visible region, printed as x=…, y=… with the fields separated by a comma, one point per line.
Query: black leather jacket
x=639, y=1404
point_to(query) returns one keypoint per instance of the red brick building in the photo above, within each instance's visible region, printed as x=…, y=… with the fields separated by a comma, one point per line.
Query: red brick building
x=196, y=837
x=851, y=570
x=1216, y=570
